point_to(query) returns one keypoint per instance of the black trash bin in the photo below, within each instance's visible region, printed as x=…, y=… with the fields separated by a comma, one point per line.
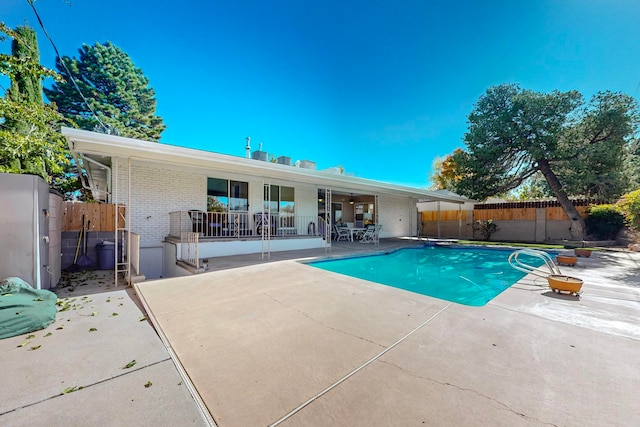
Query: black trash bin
x=106, y=255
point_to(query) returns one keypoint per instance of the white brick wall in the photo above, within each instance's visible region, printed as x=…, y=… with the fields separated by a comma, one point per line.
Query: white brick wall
x=155, y=192
x=397, y=215
x=306, y=200
x=158, y=190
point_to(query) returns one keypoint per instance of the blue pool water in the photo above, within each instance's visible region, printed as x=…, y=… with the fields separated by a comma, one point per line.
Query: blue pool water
x=467, y=276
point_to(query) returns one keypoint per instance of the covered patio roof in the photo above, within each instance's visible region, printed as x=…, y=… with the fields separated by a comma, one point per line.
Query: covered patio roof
x=94, y=151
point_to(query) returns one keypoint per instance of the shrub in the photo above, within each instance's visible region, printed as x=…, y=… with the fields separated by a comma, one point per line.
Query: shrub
x=486, y=228
x=604, y=221
x=629, y=205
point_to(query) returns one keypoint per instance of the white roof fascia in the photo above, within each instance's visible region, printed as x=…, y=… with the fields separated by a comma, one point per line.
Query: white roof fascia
x=86, y=142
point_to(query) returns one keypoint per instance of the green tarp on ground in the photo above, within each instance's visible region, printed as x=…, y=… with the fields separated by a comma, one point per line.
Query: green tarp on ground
x=24, y=309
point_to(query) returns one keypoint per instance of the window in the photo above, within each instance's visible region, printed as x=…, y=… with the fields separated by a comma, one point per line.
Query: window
x=364, y=214
x=282, y=200
x=271, y=201
x=217, y=195
x=287, y=204
x=238, y=196
x=336, y=212
x=225, y=195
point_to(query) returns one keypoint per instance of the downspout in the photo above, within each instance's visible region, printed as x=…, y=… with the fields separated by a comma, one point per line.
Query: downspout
x=75, y=159
x=108, y=180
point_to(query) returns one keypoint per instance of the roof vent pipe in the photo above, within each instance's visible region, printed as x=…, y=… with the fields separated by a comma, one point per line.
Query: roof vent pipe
x=248, y=148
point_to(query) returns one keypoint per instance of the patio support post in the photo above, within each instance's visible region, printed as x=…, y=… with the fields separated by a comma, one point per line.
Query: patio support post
x=254, y=220
x=116, y=201
x=128, y=227
x=438, y=202
x=269, y=226
x=266, y=189
x=124, y=266
x=377, y=222
x=327, y=219
x=411, y=229
x=459, y=221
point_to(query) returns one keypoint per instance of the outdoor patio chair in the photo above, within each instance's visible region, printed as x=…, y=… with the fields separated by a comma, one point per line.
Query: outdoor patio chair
x=341, y=232
x=371, y=234
x=262, y=221
x=238, y=223
x=368, y=233
x=359, y=233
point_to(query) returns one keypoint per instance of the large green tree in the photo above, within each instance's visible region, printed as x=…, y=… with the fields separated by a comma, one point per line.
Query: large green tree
x=579, y=149
x=114, y=90
x=30, y=141
x=633, y=164
x=595, y=148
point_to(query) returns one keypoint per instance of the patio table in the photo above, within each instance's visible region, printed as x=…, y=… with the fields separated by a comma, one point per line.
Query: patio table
x=354, y=230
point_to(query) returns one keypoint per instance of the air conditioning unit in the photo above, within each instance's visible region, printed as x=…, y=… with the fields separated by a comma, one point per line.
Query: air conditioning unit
x=260, y=155
x=308, y=164
x=284, y=160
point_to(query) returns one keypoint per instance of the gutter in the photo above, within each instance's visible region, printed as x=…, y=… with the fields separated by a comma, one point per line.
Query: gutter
x=117, y=146
x=108, y=178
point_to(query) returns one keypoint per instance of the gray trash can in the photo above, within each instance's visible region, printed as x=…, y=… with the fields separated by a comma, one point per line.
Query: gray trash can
x=106, y=255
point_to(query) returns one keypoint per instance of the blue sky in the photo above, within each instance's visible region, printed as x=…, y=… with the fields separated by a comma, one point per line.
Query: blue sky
x=380, y=88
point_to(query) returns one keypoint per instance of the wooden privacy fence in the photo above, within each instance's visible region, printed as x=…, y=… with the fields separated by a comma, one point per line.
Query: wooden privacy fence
x=526, y=211
x=444, y=215
x=517, y=221
x=102, y=216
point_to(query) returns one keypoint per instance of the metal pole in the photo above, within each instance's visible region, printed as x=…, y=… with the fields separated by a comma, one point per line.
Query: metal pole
x=459, y=221
x=128, y=230
x=377, y=222
x=264, y=190
x=269, y=225
x=327, y=218
x=115, y=200
x=438, y=202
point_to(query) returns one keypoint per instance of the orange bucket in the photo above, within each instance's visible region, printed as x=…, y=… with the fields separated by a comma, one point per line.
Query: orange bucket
x=560, y=282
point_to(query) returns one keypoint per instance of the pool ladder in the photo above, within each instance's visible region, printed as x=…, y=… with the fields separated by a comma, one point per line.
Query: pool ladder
x=526, y=268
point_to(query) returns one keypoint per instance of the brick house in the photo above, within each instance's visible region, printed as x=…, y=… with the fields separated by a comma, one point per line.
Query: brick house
x=229, y=204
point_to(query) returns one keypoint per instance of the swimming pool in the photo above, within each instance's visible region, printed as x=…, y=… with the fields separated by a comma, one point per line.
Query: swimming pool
x=467, y=276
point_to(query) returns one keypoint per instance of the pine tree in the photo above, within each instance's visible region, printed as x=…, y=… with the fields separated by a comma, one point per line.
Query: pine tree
x=118, y=93
x=30, y=141
x=25, y=86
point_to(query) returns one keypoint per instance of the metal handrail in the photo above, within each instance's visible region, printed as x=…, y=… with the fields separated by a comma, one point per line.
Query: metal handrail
x=242, y=224
x=526, y=268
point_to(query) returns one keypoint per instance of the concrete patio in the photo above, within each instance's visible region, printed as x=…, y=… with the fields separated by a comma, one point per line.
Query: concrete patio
x=283, y=343
x=75, y=371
